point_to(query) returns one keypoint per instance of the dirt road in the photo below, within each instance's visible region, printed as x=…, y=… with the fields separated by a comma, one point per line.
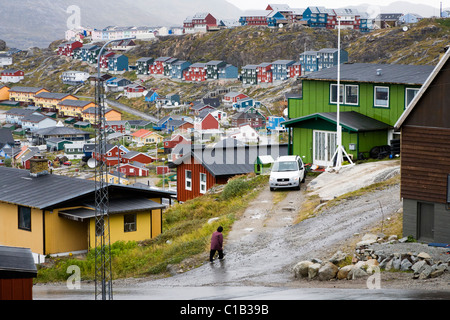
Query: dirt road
x=264, y=244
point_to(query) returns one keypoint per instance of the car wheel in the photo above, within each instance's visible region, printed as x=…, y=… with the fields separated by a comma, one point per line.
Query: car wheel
x=272, y=189
x=304, y=178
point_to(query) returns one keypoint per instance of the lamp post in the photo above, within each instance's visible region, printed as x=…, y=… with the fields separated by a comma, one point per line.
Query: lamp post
x=340, y=151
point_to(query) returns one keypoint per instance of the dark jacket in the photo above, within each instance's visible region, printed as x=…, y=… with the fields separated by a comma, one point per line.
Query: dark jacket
x=217, y=241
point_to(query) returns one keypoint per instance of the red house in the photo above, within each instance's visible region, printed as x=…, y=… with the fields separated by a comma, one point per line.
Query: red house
x=206, y=122
x=177, y=139
x=233, y=97
x=111, y=158
x=264, y=73
x=121, y=126
x=158, y=65
x=295, y=70
x=204, y=19
x=134, y=156
x=134, y=169
x=104, y=59
x=66, y=49
x=17, y=270
x=195, y=72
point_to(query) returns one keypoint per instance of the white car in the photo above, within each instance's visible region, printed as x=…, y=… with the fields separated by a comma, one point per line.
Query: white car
x=287, y=172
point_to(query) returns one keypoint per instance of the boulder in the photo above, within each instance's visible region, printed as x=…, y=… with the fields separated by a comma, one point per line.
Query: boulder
x=440, y=269
x=313, y=270
x=418, y=266
x=338, y=257
x=426, y=272
x=424, y=256
x=301, y=269
x=343, y=272
x=405, y=265
x=356, y=273
x=327, y=271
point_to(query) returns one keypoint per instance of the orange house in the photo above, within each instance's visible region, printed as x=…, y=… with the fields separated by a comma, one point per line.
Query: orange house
x=48, y=101
x=73, y=108
x=25, y=94
x=4, y=93
x=110, y=115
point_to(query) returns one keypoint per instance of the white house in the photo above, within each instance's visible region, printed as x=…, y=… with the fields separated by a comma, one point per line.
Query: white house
x=74, y=77
x=33, y=122
x=11, y=76
x=245, y=134
x=5, y=60
x=74, y=150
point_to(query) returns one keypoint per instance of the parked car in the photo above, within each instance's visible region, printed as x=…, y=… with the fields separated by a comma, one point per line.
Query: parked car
x=67, y=163
x=287, y=172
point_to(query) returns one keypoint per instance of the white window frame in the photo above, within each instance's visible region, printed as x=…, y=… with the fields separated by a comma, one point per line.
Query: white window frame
x=188, y=180
x=202, y=183
x=406, y=95
x=344, y=94
x=375, y=97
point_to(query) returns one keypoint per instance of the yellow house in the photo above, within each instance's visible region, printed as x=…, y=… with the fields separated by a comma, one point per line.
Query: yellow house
x=48, y=101
x=52, y=214
x=4, y=93
x=110, y=115
x=25, y=94
x=144, y=136
x=73, y=108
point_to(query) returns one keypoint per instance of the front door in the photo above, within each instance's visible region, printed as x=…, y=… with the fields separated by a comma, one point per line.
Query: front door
x=425, y=221
x=324, y=147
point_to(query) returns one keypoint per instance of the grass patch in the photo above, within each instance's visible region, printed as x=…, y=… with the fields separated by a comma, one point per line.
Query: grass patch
x=308, y=209
x=186, y=233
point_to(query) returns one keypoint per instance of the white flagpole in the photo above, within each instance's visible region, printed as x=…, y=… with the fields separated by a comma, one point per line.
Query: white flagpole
x=338, y=127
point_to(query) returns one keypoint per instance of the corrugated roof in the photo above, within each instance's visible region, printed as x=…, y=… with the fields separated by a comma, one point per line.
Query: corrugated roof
x=231, y=160
x=368, y=72
x=16, y=263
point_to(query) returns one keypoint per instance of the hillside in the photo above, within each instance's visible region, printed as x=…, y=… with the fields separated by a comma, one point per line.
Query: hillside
x=421, y=44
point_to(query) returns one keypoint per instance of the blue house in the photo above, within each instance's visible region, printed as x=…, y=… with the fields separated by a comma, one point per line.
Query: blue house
x=312, y=61
x=228, y=72
x=365, y=22
x=274, y=123
x=245, y=103
x=178, y=68
x=162, y=124
x=118, y=63
x=280, y=69
x=151, y=96
x=275, y=18
x=315, y=17
x=410, y=18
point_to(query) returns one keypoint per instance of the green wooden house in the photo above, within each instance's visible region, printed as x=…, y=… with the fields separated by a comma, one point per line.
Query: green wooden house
x=372, y=98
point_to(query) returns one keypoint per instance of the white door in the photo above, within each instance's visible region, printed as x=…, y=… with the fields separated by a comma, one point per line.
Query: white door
x=324, y=146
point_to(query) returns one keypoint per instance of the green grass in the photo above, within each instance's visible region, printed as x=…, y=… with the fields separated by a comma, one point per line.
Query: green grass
x=186, y=233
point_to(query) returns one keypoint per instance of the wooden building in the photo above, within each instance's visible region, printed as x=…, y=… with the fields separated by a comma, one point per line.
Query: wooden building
x=17, y=270
x=202, y=168
x=425, y=164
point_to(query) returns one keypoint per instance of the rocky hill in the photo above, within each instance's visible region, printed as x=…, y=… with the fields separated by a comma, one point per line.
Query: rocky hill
x=253, y=45
x=420, y=44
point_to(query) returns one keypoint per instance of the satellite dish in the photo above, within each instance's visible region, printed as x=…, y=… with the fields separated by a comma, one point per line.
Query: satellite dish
x=92, y=163
x=405, y=28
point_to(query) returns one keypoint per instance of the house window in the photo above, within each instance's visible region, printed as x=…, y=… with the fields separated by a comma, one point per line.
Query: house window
x=202, y=182
x=348, y=94
x=129, y=222
x=333, y=93
x=25, y=218
x=188, y=180
x=410, y=94
x=381, y=97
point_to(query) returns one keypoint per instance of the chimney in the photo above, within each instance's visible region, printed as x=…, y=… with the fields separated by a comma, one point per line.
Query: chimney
x=38, y=166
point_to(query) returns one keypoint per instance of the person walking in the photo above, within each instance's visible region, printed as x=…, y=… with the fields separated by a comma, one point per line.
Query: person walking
x=216, y=244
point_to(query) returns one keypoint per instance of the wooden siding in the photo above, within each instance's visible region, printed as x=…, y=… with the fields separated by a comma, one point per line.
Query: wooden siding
x=425, y=163
x=195, y=168
x=16, y=289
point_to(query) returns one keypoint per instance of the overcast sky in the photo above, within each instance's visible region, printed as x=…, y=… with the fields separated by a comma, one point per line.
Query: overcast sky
x=260, y=5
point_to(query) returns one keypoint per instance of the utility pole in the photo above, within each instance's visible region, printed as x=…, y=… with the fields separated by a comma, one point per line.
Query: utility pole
x=103, y=267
